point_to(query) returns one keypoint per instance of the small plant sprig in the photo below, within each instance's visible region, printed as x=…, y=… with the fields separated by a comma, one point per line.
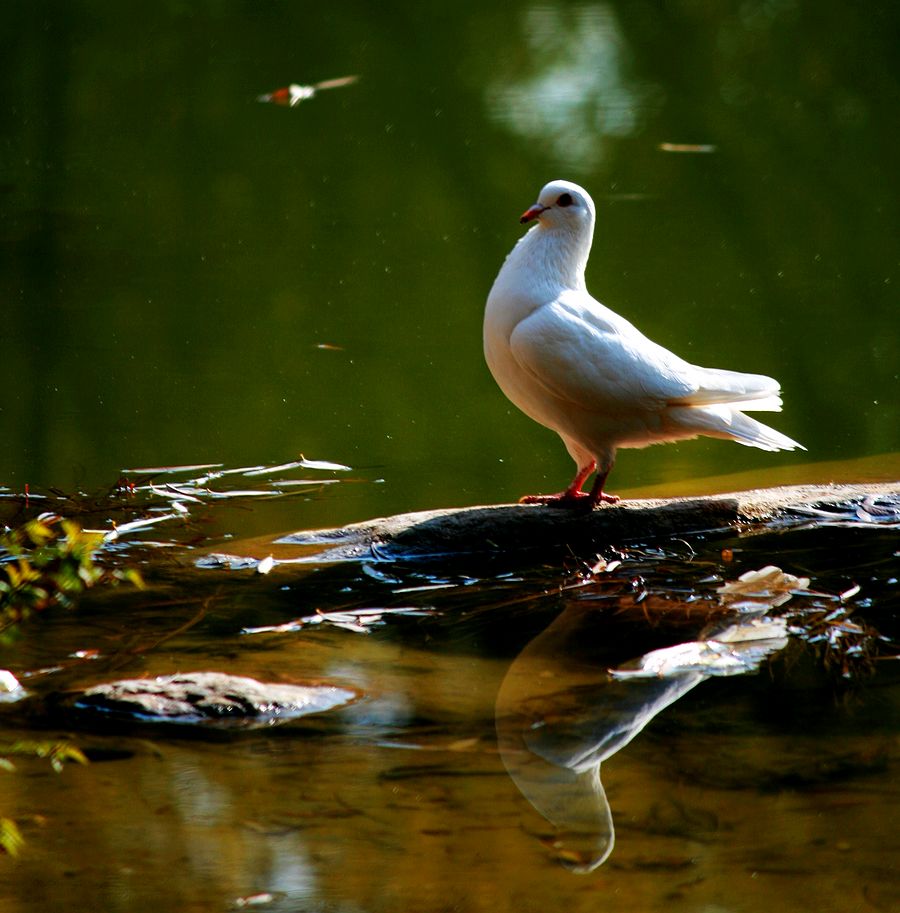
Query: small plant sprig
x=46, y=562
x=49, y=561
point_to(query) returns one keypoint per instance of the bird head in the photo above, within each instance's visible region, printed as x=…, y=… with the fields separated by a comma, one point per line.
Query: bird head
x=562, y=204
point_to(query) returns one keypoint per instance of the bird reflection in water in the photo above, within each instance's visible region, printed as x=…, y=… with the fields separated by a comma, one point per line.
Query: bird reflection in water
x=559, y=716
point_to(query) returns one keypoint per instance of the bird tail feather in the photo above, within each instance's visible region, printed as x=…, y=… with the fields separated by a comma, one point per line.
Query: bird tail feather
x=727, y=422
x=753, y=392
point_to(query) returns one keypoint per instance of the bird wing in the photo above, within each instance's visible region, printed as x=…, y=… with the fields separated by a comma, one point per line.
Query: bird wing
x=586, y=354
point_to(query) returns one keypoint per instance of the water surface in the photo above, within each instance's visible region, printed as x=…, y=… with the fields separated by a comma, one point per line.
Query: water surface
x=190, y=276
x=490, y=757
x=176, y=254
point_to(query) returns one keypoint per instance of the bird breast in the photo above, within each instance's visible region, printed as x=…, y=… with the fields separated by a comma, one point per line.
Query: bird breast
x=519, y=386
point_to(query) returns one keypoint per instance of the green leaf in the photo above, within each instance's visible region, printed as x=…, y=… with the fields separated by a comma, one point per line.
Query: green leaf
x=11, y=839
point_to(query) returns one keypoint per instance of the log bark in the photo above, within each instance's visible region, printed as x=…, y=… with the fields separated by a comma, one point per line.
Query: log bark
x=506, y=527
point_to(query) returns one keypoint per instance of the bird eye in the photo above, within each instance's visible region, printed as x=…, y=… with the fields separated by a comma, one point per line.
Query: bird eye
x=564, y=199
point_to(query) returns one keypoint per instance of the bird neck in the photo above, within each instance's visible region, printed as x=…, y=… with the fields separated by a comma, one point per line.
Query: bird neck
x=556, y=255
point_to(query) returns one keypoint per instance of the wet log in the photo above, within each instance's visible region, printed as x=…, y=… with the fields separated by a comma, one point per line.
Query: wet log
x=511, y=527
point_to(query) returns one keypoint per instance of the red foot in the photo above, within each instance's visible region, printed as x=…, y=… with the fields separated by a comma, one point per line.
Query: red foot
x=573, y=496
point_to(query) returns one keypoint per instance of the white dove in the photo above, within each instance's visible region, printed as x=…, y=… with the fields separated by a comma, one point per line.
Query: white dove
x=580, y=369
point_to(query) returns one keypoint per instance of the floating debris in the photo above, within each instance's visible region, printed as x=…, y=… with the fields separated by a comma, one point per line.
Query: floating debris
x=302, y=463
x=735, y=650
x=10, y=687
x=321, y=464
x=170, y=470
x=756, y=591
x=686, y=147
x=144, y=523
x=357, y=620
x=256, y=900
x=152, y=500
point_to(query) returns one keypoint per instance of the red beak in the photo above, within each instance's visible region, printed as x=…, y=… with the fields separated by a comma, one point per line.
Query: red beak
x=532, y=213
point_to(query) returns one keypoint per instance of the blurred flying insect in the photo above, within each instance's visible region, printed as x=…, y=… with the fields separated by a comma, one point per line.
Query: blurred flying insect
x=686, y=147
x=293, y=94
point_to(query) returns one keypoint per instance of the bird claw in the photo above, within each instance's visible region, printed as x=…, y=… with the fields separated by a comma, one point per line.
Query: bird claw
x=571, y=500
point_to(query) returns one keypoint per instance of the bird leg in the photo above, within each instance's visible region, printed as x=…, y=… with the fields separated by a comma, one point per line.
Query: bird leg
x=598, y=495
x=573, y=496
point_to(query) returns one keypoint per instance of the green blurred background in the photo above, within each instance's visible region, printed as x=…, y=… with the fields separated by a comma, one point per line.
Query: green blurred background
x=175, y=254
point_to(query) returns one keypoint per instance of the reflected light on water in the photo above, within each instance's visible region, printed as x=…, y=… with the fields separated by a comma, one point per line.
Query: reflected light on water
x=575, y=91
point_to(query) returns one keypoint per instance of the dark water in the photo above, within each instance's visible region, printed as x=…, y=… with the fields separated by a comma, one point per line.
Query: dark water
x=488, y=761
x=190, y=276
x=173, y=252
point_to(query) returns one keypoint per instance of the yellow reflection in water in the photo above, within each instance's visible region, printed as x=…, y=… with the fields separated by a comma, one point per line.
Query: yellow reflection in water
x=574, y=91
